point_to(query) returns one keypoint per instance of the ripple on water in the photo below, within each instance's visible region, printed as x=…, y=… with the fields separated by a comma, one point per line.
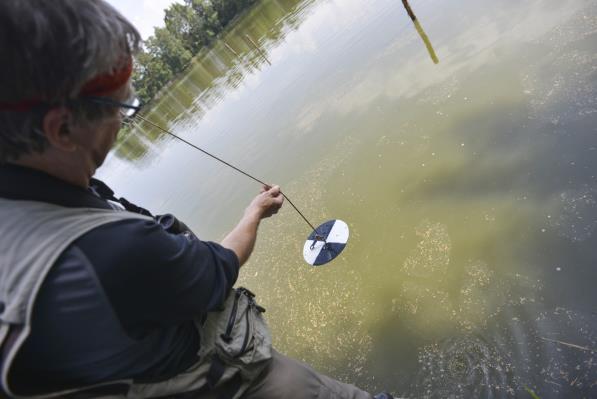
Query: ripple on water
x=463, y=367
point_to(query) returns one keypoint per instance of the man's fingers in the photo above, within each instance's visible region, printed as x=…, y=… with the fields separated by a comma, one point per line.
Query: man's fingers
x=269, y=200
x=277, y=197
x=274, y=191
x=264, y=188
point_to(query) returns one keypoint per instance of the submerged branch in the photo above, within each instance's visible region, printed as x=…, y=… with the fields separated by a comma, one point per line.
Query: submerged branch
x=584, y=348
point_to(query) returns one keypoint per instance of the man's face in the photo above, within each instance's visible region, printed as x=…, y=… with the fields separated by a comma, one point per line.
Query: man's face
x=102, y=137
x=96, y=138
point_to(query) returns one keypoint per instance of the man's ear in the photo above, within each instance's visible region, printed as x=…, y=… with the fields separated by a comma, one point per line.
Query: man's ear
x=56, y=129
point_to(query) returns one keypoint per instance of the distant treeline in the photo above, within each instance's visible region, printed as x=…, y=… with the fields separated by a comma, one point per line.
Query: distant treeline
x=188, y=27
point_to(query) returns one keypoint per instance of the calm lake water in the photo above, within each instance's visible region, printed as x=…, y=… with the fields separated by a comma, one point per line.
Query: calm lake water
x=469, y=186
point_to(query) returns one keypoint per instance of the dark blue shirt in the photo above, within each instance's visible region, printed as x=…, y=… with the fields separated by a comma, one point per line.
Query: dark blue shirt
x=156, y=284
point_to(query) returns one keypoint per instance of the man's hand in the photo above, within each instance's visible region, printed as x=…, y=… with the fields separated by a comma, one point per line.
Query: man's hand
x=242, y=238
x=267, y=203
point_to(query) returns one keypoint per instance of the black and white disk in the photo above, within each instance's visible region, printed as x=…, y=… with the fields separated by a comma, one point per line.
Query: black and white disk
x=317, y=251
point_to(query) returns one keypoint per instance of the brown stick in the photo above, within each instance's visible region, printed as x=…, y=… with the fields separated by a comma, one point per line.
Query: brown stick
x=421, y=32
x=409, y=10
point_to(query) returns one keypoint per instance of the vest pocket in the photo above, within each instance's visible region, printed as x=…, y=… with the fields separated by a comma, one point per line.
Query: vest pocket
x=241, y=330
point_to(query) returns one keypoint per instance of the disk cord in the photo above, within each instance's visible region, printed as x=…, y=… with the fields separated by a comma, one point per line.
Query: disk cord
x=317, y=236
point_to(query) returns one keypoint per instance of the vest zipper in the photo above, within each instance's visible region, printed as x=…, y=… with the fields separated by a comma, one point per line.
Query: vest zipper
x=246, y=340
x=226, y=336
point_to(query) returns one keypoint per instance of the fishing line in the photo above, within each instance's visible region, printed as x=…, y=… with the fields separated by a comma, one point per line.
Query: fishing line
x=225, y=163
x=324, y=243
x=329, y=239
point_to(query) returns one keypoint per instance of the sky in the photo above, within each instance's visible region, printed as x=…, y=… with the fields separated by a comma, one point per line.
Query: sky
x=144, y=14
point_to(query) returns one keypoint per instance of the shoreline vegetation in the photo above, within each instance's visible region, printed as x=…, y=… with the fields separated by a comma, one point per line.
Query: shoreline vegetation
x=215, y=68
x=189, y=27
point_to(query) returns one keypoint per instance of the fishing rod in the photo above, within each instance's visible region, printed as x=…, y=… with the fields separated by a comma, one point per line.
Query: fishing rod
x=324, y=243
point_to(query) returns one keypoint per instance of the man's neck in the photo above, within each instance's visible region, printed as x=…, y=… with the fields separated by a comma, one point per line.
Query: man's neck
x=58, y=168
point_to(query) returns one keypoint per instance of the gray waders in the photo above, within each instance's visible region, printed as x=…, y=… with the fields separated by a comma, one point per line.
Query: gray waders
x=235, y=342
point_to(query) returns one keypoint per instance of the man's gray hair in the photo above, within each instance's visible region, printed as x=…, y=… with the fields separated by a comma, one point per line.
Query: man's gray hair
x=49, y=50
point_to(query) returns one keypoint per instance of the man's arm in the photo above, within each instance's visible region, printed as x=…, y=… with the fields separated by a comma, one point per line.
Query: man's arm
x=151, y=275
x=241, y=239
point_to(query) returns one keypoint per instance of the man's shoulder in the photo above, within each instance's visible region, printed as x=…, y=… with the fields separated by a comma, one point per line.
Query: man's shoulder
x=127, y=238
x=140, y=250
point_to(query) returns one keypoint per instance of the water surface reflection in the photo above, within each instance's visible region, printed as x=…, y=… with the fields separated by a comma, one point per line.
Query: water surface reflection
x=470, y=186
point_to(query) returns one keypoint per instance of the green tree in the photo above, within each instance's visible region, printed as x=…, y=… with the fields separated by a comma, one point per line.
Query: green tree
x=189, y=26
x=150, y=76
x=205, y=10
x=167, y=47
x=161, y=59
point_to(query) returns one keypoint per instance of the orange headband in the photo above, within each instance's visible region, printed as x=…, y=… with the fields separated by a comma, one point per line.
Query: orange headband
x=99, y=86
x=105, y=84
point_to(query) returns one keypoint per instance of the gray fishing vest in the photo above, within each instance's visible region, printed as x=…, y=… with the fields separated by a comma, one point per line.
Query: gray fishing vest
x=235, y=342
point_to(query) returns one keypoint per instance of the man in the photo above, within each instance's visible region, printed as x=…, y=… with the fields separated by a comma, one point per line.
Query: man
x=98, y=298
